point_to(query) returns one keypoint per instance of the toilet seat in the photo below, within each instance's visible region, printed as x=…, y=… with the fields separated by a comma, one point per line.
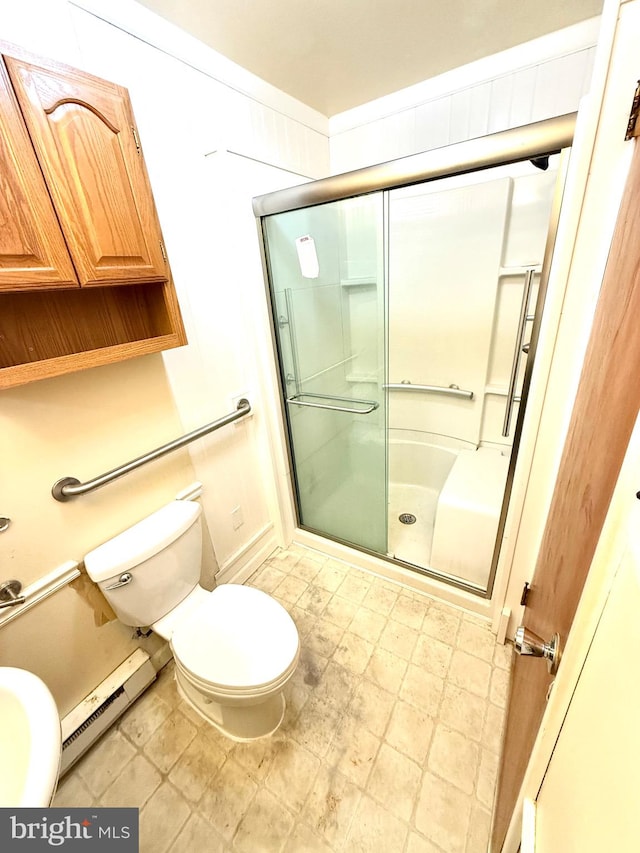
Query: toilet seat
x=223, y=691
x=237, y=641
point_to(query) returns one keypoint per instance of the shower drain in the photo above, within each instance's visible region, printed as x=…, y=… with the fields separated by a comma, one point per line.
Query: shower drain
x=407, y=518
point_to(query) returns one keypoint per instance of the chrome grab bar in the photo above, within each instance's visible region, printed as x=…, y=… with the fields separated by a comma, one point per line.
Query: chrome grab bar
x=515, y=366
x=371, y=404
x=449, y=390
x=70, y=487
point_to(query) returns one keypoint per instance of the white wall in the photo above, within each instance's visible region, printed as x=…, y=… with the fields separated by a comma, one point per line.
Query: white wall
x=185, y=115
x=85, y=423
x=534, y=81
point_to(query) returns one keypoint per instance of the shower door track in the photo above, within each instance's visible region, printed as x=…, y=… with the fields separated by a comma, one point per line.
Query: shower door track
x=443, y=577
x=497, y=149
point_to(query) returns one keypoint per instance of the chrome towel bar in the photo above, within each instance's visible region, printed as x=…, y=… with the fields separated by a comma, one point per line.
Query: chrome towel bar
x=449, y=390
x=70, y=487
x=371, y=404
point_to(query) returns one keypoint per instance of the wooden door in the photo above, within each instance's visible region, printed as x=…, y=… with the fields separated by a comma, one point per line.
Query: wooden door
x=84, y=134
x=607, y=403
x=32, y=249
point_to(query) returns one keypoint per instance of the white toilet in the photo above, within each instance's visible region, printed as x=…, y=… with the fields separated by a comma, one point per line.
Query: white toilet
x=235, y=648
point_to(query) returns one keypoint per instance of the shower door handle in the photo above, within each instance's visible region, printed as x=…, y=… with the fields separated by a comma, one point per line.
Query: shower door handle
x=371, y=404
x=511, y=395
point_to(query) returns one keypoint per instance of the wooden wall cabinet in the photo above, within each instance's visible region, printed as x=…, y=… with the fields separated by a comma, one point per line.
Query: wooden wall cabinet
x=84, y=278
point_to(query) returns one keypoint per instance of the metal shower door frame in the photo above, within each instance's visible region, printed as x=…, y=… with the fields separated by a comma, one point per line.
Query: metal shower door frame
x=539, y=139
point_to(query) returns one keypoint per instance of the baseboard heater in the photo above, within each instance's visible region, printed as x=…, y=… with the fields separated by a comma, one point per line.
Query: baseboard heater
x=97, y=712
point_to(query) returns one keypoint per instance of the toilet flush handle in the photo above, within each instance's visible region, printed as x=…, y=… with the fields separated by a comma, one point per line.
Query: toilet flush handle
x=123, y=580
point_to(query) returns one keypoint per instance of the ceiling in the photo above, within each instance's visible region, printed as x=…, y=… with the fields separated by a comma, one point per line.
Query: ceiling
x=338, y=54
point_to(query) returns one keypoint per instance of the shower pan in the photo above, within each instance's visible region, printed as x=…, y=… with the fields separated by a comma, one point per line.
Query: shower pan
x=406, y=302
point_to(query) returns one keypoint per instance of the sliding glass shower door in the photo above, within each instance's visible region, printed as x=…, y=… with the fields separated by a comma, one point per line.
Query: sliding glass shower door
x=407, y=320
x=404, y=320
x=326, y=268
x=464, y=272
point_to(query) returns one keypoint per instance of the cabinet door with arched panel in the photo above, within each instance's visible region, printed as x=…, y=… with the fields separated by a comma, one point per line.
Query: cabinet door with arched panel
x=84, y=134
x=33, y=253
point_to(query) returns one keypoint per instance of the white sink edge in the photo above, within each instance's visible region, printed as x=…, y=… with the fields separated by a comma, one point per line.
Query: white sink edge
x=43, y=721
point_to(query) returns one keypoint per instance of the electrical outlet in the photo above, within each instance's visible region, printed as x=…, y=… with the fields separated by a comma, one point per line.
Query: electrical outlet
x=237, y=519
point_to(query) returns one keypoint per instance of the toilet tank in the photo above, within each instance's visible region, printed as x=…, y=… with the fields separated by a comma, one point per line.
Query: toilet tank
x=162, y=553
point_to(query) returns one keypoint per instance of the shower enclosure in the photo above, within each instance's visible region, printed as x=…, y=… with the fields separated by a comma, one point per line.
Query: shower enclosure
x=406, y=302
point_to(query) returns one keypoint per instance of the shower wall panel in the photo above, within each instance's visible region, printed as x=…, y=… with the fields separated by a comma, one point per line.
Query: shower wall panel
x=526, y=235
x=444, y=263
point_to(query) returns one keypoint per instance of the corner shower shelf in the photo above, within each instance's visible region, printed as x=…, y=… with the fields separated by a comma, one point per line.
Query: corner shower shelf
x=519, y=270
x=497, y=390
x=359, y=281
x=368, y=379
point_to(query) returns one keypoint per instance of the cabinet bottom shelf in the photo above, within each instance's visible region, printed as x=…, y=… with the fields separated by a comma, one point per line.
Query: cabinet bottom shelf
x=21, y=374
x=48, y=333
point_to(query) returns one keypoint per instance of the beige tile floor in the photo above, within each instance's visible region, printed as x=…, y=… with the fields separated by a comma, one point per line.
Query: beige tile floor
x=390, y=740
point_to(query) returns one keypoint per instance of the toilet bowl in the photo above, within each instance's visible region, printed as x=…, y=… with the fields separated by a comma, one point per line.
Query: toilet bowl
x=235, y=648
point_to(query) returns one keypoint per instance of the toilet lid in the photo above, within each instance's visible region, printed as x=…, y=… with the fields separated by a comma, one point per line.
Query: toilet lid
x=239, y=637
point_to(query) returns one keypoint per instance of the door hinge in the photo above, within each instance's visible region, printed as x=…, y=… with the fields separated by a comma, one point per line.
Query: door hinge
x=163, y=250
x=525, y=593
x=632, y=128
x=136, y=139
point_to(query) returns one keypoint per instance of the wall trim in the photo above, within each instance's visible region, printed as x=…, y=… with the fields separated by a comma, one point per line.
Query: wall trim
x=244, y=562
x=573, y=39
x=40, y=589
